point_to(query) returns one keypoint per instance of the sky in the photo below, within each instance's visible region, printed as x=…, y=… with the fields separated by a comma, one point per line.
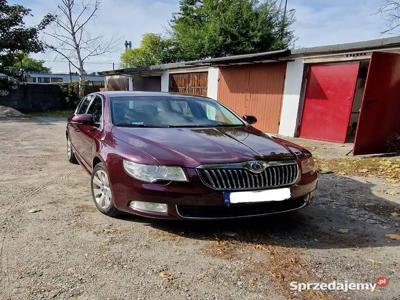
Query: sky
x=318, y=22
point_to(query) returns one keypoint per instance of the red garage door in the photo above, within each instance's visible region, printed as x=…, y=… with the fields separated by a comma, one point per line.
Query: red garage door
x=328, y=101
x=380, y=110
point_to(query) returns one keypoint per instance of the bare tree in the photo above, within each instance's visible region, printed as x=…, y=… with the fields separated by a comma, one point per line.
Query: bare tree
x=71, y=39
x=391, y=11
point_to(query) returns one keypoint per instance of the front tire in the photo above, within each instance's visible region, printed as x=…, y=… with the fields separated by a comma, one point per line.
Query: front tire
x=101, y=191
x=70, y=153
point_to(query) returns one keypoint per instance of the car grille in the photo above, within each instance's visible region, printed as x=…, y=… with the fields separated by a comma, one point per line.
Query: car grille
x=235, y=177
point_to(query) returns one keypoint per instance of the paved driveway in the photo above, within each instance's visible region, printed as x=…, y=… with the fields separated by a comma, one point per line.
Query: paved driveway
x=68, y=249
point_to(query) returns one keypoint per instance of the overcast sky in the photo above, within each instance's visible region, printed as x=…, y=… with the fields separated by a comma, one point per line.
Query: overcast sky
x=319, y=22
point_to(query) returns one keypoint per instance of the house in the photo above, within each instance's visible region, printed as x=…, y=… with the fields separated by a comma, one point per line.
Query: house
x=46, y=78
x=337, y=93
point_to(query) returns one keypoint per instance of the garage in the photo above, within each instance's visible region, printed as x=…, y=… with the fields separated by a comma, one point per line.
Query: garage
x=354, y=102
x=189, y=83
x=254, y=90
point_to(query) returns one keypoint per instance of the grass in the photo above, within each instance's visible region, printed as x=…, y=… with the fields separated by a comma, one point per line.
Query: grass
x=55, y=114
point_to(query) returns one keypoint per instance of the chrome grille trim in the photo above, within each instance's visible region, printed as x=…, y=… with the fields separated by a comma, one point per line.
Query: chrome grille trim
x=235, y=177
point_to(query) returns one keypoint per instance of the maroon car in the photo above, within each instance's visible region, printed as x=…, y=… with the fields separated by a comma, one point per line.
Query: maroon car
x=181, y=157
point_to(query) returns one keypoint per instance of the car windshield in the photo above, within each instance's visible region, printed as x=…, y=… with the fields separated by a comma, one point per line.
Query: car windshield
x=170, y=111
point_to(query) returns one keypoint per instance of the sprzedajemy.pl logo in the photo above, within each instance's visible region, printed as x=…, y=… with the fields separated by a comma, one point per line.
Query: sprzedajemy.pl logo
x=338, y=286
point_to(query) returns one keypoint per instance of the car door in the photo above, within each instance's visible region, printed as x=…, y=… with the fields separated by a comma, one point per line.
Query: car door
x=90, y=133
x=74, y=131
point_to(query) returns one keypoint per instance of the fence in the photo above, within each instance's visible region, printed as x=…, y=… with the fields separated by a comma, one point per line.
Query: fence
x=42, y=97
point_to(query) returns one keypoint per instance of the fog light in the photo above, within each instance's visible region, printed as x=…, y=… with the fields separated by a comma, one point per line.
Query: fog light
x=149, y=206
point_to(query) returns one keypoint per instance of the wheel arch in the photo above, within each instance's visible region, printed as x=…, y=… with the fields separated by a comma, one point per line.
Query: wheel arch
x=96, y=160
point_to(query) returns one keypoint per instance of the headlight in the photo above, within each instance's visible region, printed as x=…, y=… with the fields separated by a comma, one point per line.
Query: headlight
x=153, y=173
x=308, y=165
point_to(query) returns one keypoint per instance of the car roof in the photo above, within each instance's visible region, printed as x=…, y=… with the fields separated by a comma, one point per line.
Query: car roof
x=148, y=94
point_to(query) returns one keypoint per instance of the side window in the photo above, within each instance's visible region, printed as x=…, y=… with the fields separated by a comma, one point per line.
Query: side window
x=96, y=109
x=83, y=106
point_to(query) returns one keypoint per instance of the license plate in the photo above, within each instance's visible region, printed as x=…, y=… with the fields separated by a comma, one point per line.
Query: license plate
x=257, y=196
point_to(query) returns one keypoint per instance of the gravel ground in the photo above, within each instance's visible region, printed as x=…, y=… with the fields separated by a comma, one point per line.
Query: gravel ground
x=54, y=244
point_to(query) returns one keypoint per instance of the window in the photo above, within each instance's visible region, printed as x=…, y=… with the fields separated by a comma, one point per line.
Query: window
x=56, y=79
x=83, y=105
x=95, y=109
x=43, y=80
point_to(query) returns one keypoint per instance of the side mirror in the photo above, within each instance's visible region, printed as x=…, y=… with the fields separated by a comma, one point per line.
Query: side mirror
x=250, y=119
x=84, y=119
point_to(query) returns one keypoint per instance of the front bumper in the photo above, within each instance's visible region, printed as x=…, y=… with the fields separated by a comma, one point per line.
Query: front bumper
x=194, y=201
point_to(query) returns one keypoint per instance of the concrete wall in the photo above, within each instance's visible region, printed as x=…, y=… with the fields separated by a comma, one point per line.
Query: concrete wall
x=165, y=82
x=212, y=83
x=291, y=97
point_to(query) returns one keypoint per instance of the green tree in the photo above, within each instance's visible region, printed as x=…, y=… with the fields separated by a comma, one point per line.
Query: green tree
x=212, y=28
x=27, y=63
x=15, y=36
x=153, y=50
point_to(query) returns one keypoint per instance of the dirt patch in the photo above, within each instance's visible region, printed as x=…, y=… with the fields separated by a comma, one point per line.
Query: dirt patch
x=87, y=208
x=282, y=264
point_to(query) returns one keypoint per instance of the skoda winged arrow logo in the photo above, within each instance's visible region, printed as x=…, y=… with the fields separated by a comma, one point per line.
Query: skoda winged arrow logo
x=256, y=167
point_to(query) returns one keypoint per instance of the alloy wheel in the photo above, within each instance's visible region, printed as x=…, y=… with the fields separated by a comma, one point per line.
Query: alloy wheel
x=101, y=189
x=69, y=149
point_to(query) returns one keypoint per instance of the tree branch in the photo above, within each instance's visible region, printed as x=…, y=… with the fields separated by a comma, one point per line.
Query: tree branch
x=63, y=55
x=96, y=7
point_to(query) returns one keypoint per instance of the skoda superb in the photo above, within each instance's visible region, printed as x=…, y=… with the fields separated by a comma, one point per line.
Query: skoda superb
x=169, y=156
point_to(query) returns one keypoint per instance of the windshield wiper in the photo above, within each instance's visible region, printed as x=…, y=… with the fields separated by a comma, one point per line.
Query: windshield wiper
x=140, y=125
x=190, y=126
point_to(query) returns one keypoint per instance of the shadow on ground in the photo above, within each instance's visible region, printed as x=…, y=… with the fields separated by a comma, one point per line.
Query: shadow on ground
x=345, y=214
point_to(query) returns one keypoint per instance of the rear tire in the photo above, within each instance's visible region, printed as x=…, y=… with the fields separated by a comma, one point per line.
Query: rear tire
x=101, y=191
x=70, y=153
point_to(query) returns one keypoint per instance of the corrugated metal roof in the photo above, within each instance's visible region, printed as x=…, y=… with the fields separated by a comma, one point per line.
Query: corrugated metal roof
x=153, y=70
x=252, y=57
x=348, y=47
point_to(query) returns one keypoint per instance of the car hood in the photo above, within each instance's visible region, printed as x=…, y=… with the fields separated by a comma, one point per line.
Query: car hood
x=191, y=147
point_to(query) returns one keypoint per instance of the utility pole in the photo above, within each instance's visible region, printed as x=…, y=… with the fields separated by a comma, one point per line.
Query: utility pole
x=283, y=21
x=70, y=74
x=22, y=73
x=128, y=44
